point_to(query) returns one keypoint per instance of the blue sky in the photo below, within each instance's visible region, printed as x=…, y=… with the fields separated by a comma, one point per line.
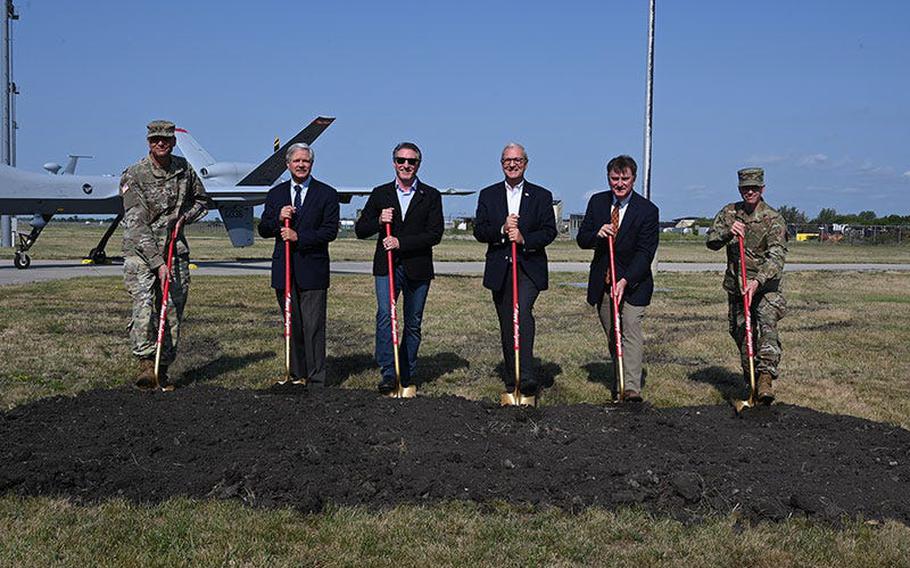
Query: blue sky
x=815, y=91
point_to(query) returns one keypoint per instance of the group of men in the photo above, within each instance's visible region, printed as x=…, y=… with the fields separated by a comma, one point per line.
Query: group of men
x=162, y=192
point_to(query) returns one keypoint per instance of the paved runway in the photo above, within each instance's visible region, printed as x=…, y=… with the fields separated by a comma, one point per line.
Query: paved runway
x=44, y=270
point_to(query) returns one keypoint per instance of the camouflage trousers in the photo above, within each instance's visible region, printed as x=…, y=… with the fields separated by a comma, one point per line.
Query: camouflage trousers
x=767, y=309
x=144, y=289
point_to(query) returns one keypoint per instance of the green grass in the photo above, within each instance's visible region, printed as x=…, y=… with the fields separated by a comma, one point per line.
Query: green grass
x=74, y=240
x=845, y=340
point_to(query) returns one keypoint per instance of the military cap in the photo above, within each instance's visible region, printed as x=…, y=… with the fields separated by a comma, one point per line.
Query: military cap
x=162, y=128
x=751, y=177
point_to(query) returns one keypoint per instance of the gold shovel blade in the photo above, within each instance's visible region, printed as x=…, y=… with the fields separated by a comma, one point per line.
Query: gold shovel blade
x=528, y=400
x=509, y=399
x=403, y=392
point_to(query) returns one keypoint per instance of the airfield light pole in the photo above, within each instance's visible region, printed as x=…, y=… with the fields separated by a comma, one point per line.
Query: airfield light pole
x=7, y=141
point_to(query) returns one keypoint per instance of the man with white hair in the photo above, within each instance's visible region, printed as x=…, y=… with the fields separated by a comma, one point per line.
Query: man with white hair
x=312, y=208
x=516, y=211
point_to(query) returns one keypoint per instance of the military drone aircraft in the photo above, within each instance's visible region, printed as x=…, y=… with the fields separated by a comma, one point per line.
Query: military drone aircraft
x=234, y=187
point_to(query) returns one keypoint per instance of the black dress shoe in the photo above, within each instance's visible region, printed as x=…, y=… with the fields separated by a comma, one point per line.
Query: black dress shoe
x=530, y=389
x=386, y=386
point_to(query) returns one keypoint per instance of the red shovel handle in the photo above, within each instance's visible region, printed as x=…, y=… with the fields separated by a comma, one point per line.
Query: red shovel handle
x=617, y=330
x=287, y=283
x=392, y=307
x=747, y=304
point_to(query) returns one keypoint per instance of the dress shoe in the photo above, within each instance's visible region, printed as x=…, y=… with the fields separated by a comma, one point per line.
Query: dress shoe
x=530, y=389
x=765, y=388
x=632, y=396
x=386, y=386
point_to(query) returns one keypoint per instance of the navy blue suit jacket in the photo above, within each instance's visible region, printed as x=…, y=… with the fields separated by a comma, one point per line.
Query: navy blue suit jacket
x=316, y=224
x=536, y=222
x=633, y=247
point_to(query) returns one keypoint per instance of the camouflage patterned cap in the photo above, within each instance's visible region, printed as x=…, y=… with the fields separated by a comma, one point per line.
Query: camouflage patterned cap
x=751, y=177
x=162, y=128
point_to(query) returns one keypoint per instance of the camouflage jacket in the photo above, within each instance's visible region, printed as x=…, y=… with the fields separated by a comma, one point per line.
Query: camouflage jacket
x=153, y=199
x=765, y=245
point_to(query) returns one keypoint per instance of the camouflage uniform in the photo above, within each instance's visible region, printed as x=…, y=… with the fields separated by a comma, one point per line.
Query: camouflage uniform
x=153, y=199
x=766, y=249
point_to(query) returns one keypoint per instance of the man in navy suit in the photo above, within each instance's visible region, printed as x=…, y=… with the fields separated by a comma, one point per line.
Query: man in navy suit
x=632, y=221
x=414, y=211
x=312, y=208
x=516, y=210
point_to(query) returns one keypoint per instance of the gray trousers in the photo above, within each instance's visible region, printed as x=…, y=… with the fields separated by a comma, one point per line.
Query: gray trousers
x=633, y=340
x=308, y=316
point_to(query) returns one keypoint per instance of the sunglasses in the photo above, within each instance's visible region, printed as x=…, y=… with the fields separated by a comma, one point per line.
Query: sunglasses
x=410, y=161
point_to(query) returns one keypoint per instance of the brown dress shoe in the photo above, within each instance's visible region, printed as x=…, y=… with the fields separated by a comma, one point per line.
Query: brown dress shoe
x=632, y=396
x=765, y=388
x=146, y=377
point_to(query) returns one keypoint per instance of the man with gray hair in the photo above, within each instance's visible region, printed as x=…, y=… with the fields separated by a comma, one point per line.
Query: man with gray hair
x=312, y=210
x=407, y=215
x=516, y=211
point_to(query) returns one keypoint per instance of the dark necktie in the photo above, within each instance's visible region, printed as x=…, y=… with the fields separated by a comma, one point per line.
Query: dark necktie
x=614, y=220
x=297, y=189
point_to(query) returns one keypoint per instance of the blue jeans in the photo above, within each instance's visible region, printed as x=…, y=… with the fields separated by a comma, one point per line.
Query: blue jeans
x=414, y=294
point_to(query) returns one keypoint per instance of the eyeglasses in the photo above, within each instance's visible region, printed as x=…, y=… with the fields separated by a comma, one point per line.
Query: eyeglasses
x=410, y=161
x=512, y=161
x=750, y=189
x=159, y=140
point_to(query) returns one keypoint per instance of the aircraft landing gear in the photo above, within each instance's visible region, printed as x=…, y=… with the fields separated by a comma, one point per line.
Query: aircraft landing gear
x=97, y=254
x=22, y=260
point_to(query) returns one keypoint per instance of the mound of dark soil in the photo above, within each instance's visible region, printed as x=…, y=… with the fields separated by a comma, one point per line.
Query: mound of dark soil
x=302, y=449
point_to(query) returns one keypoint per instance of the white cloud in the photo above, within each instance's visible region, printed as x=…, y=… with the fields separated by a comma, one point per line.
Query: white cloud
x=812, y=160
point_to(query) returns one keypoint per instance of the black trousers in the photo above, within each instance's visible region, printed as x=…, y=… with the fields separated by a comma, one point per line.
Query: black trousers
x=502, y=299
x=308, y=317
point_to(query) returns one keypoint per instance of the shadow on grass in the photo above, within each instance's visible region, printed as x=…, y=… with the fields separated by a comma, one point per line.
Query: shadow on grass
x=340, y=369
x=729, y=384
x=602, y=372
x=436, y=365
x=221, y=365
x=545, y=372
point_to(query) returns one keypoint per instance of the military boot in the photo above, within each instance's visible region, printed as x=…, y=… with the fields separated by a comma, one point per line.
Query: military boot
x=146, y=377
x=765, y=388
x=164, y=381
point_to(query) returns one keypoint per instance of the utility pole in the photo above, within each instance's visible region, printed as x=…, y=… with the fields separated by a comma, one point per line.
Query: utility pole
x=649, y=103
x=8, y=128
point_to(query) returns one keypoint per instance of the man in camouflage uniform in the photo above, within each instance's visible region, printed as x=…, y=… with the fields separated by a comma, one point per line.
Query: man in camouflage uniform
x=158, y=191
x=764, y=232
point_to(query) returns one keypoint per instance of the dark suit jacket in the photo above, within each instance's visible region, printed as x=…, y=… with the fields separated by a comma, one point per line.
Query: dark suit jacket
x=536, y=222
x=417, y=234
x=633, y=247
x=316, y=224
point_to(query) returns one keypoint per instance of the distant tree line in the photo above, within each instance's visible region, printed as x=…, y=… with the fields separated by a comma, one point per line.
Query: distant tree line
x=829, y=216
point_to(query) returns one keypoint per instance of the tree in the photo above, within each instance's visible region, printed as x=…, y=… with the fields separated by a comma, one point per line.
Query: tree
x=792, y=215
x=826, y=216
x=867, y=217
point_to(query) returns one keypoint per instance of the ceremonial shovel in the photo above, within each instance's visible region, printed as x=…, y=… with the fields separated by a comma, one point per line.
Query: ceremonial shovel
x=165, y=294
x=515, y=398
x=617, y=330
x=400, y=391
x=739, y=405
x=287, y=307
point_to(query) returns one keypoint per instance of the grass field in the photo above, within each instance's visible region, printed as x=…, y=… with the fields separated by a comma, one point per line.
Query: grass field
x=73, y=240
x=845, y=340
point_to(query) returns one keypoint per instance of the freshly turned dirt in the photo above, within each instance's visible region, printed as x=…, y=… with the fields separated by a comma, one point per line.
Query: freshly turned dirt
x=290, y=447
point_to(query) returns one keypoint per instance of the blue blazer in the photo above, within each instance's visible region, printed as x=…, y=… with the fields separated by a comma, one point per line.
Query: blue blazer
x=536, y=222
x=316, y=224
x=633, y=247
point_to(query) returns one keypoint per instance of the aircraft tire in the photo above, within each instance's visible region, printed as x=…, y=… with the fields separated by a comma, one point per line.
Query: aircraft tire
x=22, y=261
x=98, y=256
